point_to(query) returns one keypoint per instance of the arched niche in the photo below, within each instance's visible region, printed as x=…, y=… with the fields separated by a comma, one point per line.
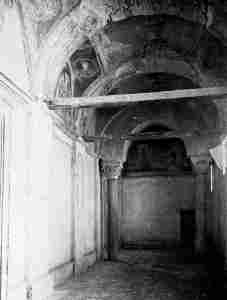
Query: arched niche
x=158, y=156
x=158, y=193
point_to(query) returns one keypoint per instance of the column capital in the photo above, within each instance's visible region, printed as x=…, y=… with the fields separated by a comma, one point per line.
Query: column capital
x=201, y=163
x=111, y=169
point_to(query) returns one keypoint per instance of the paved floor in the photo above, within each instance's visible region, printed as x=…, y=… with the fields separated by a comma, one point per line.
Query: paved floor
x=142, y=275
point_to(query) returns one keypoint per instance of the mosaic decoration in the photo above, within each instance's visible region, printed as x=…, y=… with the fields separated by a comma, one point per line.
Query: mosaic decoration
x=85, y=68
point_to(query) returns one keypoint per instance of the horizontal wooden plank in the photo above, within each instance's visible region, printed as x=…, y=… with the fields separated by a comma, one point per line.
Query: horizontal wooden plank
x=113, y=100
x=153, y=136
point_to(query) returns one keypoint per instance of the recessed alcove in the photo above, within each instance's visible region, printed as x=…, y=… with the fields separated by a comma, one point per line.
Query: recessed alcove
x=158, y=192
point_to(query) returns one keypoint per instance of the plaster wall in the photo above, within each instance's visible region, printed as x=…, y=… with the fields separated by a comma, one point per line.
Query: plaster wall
x=60, y=217
x=87, y=205
x=12, y=53
x=41, y=220
x=51, y=213
x=151, y=208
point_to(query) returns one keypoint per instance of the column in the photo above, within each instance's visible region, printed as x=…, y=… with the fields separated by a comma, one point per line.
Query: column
x=111, y=172
x=201, y=167
x=225, y=227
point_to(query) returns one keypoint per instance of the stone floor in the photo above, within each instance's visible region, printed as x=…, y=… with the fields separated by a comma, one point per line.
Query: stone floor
x=143, y=275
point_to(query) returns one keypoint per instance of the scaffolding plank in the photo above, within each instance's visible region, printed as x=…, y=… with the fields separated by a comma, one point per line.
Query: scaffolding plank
x=117, y=100
x=153, y=135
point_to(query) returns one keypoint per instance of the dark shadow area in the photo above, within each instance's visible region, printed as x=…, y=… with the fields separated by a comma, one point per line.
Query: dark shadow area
x=215, y=284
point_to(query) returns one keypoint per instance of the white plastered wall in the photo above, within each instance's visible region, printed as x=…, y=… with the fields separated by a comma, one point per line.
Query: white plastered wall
x=41, y=224
x=38, y=245
x=87, y=209
x=13, y=62
x=53, y=200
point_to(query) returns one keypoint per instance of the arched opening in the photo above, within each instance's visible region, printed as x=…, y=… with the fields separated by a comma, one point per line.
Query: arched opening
x=83, y=183
x=158, y=194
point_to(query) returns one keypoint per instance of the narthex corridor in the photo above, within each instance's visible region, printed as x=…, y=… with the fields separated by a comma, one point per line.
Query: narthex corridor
x=113, y=149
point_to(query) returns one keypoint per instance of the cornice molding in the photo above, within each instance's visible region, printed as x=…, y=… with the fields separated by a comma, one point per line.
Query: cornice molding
x=12, y=91
x=111, y=169
x=14, y=97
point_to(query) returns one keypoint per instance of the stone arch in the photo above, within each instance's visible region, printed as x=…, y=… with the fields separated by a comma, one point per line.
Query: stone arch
x=104, y=84
x=139, y=128
x=87, y=21
x=183, y=117
x=160, y=36
x=141, y=158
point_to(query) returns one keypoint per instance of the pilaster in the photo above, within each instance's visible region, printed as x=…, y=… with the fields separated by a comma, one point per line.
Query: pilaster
x=201, y=167
x=111, y=172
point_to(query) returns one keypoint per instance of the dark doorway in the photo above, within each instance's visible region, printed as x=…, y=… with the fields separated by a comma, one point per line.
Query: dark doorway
x=187, y=228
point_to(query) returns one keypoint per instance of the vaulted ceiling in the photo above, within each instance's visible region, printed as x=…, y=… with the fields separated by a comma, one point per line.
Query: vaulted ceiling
x=178, y=36
x=130, y=46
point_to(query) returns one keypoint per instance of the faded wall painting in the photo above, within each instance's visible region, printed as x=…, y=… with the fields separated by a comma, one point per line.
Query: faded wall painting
x=158, y=155
x=85, y=68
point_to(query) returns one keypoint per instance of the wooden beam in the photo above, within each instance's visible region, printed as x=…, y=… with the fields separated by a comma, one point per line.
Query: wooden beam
x=113, y=100
x=153, y=136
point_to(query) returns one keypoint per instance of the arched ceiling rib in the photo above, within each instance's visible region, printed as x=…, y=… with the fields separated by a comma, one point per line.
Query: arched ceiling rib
x=171, y=26
x=135, y=41
x=162, y=35
x=185, y=116
x=182, y=117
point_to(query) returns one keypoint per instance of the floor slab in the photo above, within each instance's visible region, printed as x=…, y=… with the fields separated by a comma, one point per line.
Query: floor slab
x=140, y=275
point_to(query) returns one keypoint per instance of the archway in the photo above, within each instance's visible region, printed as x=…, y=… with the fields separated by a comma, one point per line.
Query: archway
x=130, y=47
x=158, y=194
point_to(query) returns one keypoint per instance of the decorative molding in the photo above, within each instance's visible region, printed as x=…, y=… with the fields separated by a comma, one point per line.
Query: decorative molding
x=111, y=169
x=14, y=97
x=157, y=174
x=12, y=91
x=199, y=11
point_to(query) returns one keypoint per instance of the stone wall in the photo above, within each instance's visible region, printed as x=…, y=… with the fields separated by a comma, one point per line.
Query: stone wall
x=151, y=208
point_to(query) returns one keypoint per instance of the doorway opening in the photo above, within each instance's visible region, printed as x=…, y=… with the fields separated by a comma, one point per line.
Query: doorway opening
x=187, y=228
